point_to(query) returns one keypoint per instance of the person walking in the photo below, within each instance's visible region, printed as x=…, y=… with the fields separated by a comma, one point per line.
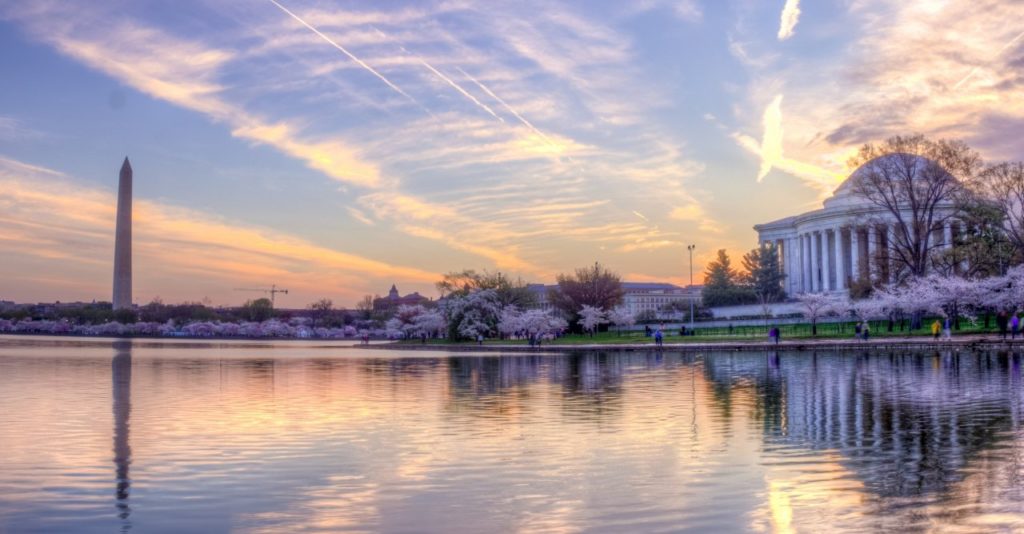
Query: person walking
x=658, y=337
x=947, y=329
x=776, y=333
x=936, y=328
x=866, y=331
x=856, y=331
x=1003, y=323
x=1014, y=325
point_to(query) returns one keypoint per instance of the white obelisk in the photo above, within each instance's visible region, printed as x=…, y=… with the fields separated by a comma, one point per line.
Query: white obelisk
x=123, y=240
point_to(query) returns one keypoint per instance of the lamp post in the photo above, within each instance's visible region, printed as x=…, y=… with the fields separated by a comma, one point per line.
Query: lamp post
x=690, y=248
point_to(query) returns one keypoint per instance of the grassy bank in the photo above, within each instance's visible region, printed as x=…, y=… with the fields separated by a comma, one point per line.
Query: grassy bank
x=745, y=334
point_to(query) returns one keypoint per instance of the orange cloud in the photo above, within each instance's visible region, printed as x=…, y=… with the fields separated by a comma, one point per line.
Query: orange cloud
x=50, y=216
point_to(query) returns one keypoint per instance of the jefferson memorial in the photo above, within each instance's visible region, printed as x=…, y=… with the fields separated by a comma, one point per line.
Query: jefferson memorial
x=826, y=250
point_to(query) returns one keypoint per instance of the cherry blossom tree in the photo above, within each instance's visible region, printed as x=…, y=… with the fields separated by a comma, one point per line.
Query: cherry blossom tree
x=430, y=322
x=511, y=322
x=591, y=317
x=620, y=316
x=950, y=296
x=473, y=315
x=816, y=306
x=539, y=324
x=403, y=325
x=866, y=309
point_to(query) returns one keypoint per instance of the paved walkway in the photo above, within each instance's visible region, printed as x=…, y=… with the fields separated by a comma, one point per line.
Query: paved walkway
x=979, y=342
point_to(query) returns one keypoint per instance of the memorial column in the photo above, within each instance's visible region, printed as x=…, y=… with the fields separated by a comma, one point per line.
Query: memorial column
x=840, y=259
x=826, y=261
x=805, y=264
x=815, y=280
x=872, y=268
x=854, y=255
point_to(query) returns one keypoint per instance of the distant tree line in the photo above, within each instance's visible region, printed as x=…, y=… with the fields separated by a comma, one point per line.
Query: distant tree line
x=321, y=312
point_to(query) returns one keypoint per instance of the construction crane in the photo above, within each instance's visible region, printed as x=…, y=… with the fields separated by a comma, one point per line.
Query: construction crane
x=273, y=291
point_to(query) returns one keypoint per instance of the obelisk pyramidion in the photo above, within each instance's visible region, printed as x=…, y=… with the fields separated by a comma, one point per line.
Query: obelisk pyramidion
x=123, y=240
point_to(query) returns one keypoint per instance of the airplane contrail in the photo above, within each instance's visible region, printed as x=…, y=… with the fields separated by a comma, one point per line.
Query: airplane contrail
x=459, y=88
x=446, y=79
x=347, y=53
x=505, y=104
x=997, y=54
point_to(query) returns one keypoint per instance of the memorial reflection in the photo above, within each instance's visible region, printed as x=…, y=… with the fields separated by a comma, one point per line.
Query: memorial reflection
x=906, y=424
x=121, y=375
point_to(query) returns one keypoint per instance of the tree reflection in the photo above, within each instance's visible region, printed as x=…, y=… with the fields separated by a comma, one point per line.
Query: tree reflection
x=590, y=383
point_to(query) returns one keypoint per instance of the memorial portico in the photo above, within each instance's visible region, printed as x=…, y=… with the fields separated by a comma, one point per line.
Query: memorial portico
x=849, y=239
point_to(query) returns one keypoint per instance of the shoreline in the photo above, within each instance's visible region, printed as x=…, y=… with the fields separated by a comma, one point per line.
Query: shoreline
x=972, y=342
x=919, y=343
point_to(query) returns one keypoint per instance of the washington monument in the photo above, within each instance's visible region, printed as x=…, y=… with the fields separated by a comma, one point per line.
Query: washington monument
x=123, y=240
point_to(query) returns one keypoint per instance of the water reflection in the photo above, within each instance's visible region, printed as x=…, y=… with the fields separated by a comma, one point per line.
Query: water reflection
x=281, y=439
x=121, y=372
x=906, y=423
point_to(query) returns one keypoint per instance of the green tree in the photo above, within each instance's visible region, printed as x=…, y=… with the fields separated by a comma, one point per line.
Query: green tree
x=125, y=316
x=985, y=250
x=258, y=310
x=722, y=284
x=1001, y=187
x=764, y=274
x=594, y=286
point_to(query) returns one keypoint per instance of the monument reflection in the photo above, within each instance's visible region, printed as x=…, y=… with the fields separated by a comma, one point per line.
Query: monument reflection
x=121, y=373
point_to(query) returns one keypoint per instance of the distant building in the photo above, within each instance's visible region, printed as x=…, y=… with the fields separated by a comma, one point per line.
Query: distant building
x=394, y=300
x=656, y=296
x=637, y=297
x=540, y=293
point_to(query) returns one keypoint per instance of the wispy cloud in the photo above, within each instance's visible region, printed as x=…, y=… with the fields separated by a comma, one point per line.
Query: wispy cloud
x=998, y=53
x=185, y=73
x=694, y=212
x=331, y=87
x=962, y=81
x=790, y=17
x=12, y=129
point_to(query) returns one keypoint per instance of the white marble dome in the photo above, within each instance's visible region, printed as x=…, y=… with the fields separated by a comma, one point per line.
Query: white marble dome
x=845, y=195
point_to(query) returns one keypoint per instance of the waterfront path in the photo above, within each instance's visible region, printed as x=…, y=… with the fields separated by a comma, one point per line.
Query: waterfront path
x=968, y=342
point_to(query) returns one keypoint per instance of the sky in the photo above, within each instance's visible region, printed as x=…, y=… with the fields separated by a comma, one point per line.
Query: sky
x=336, y=147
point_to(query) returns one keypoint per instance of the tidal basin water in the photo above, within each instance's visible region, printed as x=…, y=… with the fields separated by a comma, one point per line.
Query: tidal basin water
x=149, y=436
